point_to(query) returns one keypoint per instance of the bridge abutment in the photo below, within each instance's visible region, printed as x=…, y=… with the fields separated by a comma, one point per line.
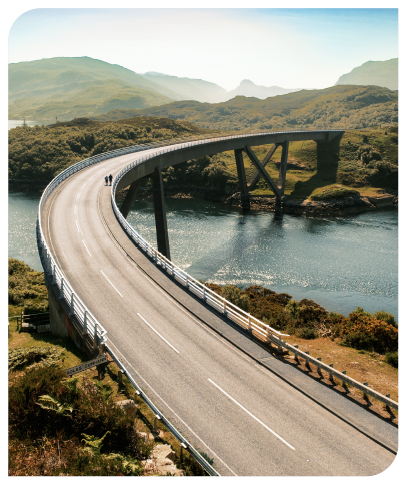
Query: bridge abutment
x=64, y=326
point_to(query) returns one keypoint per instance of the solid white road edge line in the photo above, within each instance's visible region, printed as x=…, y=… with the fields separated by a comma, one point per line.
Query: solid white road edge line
x=111, y=283
x=253, y=416
x=128, y=364
x=153, y=329
x=86, y=248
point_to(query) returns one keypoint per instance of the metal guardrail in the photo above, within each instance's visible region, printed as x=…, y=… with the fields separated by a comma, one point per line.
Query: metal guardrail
x=192, y=451
x=335, y=373
x=256, y=327
x=96, y=331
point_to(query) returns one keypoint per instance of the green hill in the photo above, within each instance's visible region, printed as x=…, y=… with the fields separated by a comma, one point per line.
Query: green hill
x=341, y=107
x=376, y=73
x=70, y=87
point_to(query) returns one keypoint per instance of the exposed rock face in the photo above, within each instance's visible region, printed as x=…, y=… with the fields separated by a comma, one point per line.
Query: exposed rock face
x=160, y=461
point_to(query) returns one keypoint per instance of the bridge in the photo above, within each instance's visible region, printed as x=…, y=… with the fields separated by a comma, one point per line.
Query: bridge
x=201, y=363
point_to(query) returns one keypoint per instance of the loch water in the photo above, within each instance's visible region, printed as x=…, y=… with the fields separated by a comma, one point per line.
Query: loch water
x=340, y=263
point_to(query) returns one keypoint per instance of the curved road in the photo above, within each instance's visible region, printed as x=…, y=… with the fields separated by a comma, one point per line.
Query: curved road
x=246, y=418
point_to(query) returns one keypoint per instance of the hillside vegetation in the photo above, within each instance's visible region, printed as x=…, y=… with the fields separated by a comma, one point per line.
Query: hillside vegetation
x=362, y=160
x=39, y=153
x=377, y=73
x=338, y=107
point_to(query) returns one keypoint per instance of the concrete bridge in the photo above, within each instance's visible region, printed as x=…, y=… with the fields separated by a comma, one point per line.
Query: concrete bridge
x=153, y=168
x=216, y=384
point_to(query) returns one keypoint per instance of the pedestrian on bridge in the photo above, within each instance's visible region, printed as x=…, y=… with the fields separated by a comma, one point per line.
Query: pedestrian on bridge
x=110, y=178
x=106, y=178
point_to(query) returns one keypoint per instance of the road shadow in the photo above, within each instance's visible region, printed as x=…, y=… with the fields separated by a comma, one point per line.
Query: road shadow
x=327, y=167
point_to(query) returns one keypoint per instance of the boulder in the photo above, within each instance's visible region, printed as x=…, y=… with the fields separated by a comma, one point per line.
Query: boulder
x=124, y=404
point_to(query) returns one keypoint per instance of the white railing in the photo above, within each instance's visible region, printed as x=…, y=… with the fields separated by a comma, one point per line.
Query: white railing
x=95, y=330
x=256, y=327
x=76, y=308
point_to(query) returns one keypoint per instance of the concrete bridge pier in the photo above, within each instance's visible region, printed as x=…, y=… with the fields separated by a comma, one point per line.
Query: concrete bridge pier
x=272, y=185
x=255, y=177
x=283, y=167
x=130, y=198
x=160, y=213
x=245, y=197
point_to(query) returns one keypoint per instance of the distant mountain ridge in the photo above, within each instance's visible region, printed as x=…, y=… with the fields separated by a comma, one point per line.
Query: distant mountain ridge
x=69, y=87
x=248, y=89
x=373, y=73
x=337, y=107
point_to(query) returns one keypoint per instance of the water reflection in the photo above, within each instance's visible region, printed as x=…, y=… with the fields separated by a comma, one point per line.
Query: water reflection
x=341, y=263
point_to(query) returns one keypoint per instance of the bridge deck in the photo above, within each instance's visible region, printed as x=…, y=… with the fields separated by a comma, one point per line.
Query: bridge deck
x=249, y=420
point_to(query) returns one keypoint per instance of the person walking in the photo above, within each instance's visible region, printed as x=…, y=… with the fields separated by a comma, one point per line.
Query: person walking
x=110, y=178
x=106, y=178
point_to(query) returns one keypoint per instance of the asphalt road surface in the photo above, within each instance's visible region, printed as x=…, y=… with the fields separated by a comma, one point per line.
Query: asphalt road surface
x=246, y=418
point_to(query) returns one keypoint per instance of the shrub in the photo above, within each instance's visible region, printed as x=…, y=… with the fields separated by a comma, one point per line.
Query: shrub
x=307, y=333
x=387, y=317
x=236, y=296
x=292, y=308
x=392, y=358
x=362, y=331
x=93, y=411
x=331, y=193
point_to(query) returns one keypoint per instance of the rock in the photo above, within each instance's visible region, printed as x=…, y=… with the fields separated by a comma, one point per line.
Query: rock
x=162, y=451
x=384, y=200
x=160, y=461
x=124, y=404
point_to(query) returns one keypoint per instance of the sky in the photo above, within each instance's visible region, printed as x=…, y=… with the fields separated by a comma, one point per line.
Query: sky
x=290, y=48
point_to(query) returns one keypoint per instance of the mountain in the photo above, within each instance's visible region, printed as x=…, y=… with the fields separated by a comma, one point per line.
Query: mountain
x=373, y=73
x=249, y=89
x=340, y=107
x=70, y=87
x=188, y=89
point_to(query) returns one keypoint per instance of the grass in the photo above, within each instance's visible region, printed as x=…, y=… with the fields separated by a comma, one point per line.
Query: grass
x=329, y=169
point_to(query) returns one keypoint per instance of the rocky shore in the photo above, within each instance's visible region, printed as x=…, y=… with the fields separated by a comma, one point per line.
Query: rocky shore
x=309, y=208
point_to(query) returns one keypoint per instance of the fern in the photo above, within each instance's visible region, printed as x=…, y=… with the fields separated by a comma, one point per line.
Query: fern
x=50, y=403
x=93, y=444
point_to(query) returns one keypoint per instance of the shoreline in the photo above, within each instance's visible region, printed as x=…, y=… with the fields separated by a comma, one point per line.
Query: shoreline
x=306, y=208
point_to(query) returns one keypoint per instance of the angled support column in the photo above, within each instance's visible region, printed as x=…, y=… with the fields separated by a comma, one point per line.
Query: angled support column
x=263, y=172
x=283, y=167
x=160, y=214
x=245, y=202
x=130, y=198
x=255, y=177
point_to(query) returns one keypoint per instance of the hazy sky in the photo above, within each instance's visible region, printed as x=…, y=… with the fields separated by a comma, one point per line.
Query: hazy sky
x=306, y=48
